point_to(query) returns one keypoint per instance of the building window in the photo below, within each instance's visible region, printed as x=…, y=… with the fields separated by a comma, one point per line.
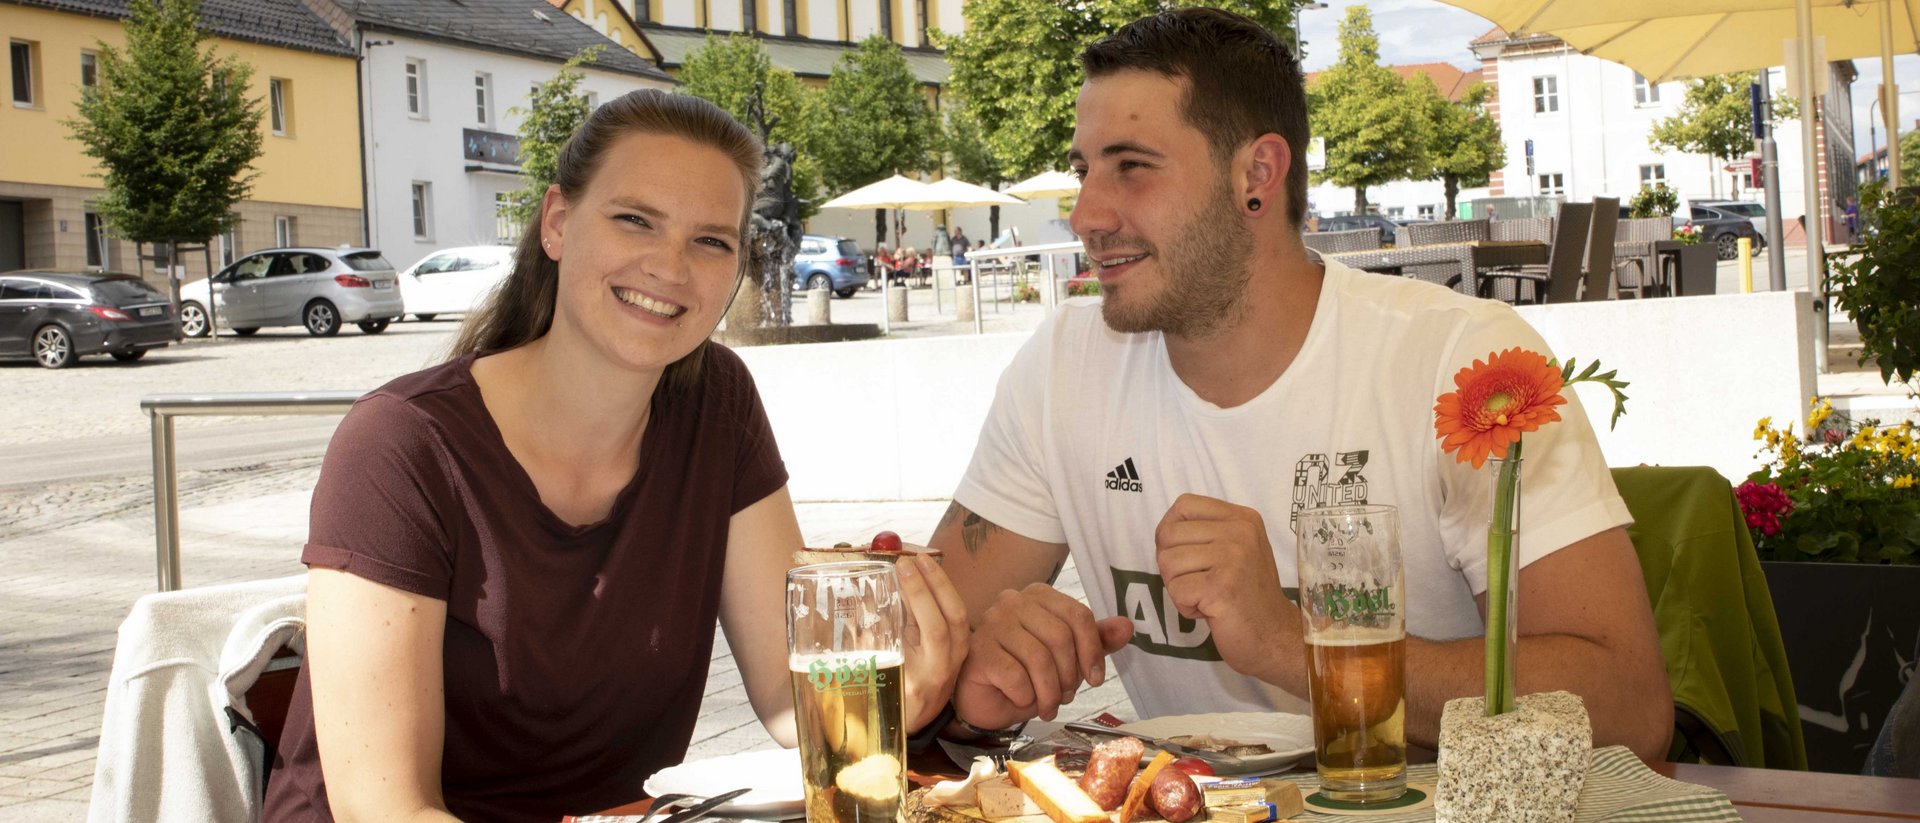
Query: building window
x=24, y=58
x=1546, y=95
x=505, y=228
x=417, y=87
x=1645, y=92
x=1552, y=184
x=593, y=101
x=282, y=231
x=230, y=242
x=96, y=241
x=749, y=16
x=280, y=93
x=790, y=15
x=886, y=19
x=1428, y=212
x=483, y=98
x=643, y=11
x=926, y=21
x=89, y=69
x=1653, y=175
x=422, y=216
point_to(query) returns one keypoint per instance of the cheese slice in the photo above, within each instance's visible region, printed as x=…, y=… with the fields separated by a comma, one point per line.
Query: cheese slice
x=1057, y=794
x=999, y=799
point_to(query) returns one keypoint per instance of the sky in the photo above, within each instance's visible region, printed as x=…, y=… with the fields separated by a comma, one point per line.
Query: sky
x=1428, y=31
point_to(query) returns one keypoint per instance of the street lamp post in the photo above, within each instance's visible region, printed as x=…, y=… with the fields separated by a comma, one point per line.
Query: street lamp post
x=1299, y=6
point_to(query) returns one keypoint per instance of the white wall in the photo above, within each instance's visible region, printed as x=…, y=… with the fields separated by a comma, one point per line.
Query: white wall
x=403, y=148
x=1703, y=371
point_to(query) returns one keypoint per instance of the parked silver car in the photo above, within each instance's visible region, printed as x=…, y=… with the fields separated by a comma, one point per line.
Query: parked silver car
x=312, y=287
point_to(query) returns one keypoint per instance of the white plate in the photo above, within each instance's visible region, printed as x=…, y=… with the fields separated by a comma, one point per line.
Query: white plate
x=1289, y=735
x=773, y=774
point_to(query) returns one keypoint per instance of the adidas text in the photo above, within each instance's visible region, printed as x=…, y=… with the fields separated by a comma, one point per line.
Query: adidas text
x=1117, y=484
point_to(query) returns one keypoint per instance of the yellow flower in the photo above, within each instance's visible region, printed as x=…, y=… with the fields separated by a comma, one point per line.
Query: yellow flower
x=1789, y=450
x=1863, y=438
x=1904, y=481
x=1819, y=414
x=1764, y=429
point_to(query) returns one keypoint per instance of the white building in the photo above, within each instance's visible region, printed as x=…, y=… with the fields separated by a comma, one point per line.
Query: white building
x=438, y=82
x=1577, y=126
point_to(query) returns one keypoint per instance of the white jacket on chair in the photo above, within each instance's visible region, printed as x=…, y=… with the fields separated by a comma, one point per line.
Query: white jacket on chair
x=168, y=751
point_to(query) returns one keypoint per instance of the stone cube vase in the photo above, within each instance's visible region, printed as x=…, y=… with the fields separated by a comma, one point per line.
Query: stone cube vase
x=1526, y=765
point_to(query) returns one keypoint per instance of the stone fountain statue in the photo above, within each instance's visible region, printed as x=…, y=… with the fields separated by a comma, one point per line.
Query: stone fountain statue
x=773, y=235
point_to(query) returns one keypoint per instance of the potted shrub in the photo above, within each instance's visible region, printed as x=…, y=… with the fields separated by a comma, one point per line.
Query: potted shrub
x=1835, y=517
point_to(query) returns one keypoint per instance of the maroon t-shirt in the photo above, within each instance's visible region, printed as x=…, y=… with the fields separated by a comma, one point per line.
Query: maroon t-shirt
x=575, y=657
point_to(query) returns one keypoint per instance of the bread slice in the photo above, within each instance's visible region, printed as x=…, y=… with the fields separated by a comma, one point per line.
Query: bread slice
x=1057, y=794
x=843, y=554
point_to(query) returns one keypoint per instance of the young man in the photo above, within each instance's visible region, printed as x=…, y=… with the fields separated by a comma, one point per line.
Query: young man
x=1169, y=434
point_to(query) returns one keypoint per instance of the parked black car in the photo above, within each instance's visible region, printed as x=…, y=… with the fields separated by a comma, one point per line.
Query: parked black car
x=55, y=317
x=1724, y=228
x=1349, y=222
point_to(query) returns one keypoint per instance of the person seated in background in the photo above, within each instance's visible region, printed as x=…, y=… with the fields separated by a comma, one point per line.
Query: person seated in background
x=1166, y=436
x=883, y=265
x=517, y=557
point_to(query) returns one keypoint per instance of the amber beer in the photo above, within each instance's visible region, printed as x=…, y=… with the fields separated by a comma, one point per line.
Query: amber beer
x=845, y=658
x=1359, y=716
x=851, y=737
x=1351, y=593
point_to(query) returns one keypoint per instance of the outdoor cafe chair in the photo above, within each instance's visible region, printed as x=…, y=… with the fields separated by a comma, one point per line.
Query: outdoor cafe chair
x=1559, y=281
x=1634, y=248
x=1536, y=229
x=1606, y=222
x=1334, y=242
x=1447, y=231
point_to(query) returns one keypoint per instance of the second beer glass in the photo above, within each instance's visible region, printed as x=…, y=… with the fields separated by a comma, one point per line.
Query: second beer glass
x=843, y=651
x=1352, y=593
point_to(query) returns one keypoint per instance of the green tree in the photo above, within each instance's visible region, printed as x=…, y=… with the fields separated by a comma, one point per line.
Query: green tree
x=1018, y=66
x=555, y=112
x=1463, y=146
x=173, y=128
x=877, y=120
x=1909, y=155
x=968, y=156
x=1716, y=119
x=1376, y=129
x=726, y=70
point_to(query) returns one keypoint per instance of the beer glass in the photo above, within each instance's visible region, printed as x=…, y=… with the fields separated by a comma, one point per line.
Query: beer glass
x=1352, y=593
x=844, y=624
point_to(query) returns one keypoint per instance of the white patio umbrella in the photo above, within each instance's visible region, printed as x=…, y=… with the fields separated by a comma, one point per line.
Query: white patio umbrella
x=1046, y=184
x=892, y=193
x=954, y=193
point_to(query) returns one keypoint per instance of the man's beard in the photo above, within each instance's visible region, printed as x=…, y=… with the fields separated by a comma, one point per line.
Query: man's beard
x=1203, y=280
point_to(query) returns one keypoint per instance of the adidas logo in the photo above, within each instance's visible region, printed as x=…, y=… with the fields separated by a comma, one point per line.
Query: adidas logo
x=1124, y=477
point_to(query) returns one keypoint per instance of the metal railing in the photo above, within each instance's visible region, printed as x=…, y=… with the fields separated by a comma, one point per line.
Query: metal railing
x=1046, y=252
x=163, y=408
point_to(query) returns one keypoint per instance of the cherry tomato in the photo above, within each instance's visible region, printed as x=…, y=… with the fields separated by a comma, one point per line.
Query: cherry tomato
x=886, y=542
x=1192, y=765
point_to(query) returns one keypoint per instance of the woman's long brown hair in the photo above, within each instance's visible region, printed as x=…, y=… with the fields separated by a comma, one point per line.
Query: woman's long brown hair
x=521, y=309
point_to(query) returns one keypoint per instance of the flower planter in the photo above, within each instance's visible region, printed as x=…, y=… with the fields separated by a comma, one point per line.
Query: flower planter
x=1847, y=628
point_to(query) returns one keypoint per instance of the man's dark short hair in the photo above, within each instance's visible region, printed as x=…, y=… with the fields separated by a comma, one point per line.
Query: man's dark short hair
x=1241, y=82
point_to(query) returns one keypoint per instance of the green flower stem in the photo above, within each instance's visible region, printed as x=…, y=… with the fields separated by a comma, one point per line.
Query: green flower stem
x=1500, y=659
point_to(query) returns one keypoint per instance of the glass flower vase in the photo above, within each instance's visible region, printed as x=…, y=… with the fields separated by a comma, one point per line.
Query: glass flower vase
x=1503, y=573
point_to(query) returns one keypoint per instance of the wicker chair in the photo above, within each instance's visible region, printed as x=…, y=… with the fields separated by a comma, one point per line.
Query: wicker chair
x=1559, y=280
x=1334, y=242
x=1606, y=222
x=1634, y=247
x=1536, y=229
x=1447, y=231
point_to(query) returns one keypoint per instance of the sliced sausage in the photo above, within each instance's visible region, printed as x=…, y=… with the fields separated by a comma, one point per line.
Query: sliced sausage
x=1174, y=796
x=1110, y=771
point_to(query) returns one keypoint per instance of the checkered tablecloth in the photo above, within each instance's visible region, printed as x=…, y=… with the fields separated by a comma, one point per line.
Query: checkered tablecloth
x=1619, y=789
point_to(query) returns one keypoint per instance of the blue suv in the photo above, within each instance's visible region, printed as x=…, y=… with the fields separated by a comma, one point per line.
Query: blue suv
x=833, y=263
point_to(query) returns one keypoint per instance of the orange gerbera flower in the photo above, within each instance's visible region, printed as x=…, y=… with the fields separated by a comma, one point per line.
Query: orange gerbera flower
x=1511, y=393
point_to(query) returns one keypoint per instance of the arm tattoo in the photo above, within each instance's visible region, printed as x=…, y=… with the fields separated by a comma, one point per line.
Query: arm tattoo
x=974, y=529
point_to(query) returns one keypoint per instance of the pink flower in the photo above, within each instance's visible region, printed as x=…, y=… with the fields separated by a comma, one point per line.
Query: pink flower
x=1763, y=504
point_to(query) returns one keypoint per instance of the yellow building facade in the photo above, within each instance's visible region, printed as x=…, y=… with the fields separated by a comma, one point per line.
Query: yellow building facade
x=306, y=189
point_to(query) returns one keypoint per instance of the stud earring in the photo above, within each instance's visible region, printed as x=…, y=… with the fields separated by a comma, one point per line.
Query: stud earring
x=1253, y=203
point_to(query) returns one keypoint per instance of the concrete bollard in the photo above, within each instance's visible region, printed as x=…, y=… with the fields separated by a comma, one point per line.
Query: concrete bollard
x=820, y=307
x=963, y=303
x=897, y=304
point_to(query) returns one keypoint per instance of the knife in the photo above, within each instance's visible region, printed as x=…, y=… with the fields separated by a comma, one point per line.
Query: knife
x=1220, y=758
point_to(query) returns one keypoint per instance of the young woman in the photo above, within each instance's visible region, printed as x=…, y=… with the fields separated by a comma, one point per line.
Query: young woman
x=517, y=557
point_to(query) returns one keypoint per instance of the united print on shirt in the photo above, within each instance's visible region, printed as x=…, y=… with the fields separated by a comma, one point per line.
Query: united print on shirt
x=1318, y=482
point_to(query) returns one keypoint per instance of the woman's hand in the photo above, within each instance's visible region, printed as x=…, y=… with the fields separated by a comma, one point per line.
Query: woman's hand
x=935, y=639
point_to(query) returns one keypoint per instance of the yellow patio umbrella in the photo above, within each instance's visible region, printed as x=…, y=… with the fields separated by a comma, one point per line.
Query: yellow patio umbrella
x=1046, y=184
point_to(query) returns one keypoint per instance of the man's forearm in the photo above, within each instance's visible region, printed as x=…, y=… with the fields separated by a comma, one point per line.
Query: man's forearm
x=1623, y=710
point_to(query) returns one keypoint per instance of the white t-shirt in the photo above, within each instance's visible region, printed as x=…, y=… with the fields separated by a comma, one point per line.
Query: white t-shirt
x=1092, y=436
